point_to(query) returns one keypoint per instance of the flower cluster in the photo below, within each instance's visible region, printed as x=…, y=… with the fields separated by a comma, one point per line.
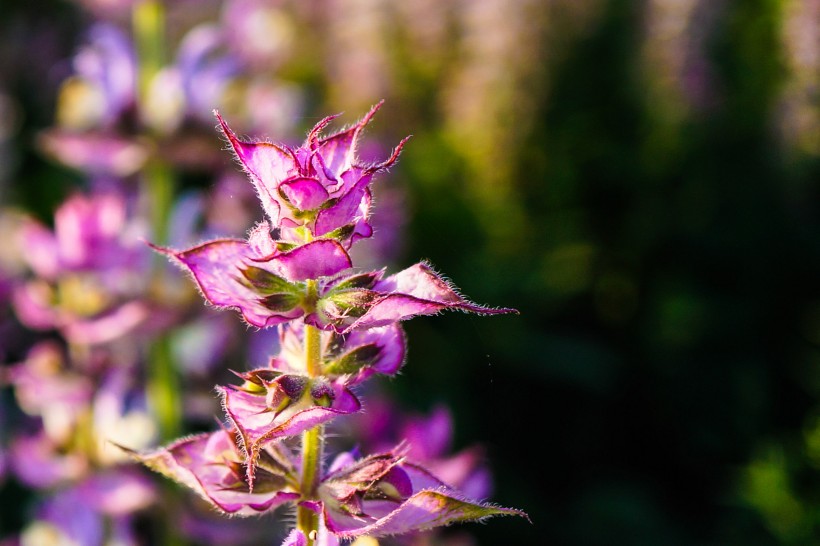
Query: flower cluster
x=338, y=326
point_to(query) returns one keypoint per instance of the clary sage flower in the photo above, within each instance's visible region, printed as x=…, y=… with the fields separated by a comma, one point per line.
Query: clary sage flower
x=339, y=326
x=319, y=187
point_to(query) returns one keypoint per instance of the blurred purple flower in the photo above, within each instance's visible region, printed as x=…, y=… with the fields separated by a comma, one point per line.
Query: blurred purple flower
x=428, y=441
x=90, y=271
x=259, y=31
x=97, y=511
x=46, y=388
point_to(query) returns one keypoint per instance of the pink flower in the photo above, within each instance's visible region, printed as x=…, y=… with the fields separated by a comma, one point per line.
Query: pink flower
x=90, y=271
x=320, y=187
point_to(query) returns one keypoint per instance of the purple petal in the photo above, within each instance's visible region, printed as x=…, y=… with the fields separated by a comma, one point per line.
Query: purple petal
x=338, y=150
x=417, y=290
x=32, y=304
x=430, y=437
x=39, y=463
x=43, y=386
x=321, y=258
x=260, y=241
x=215, y=266
x=423, y=511
x=351, y=205
x=39, y=249
x=116, y=493
x=207, y=464
x=109, y=326
x=267, y=165
x=304, y=193
x=407, y=498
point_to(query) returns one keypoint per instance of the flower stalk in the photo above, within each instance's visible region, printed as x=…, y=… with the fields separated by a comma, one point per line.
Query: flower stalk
x=338, y=327
x=312, y=440
x=148, y=21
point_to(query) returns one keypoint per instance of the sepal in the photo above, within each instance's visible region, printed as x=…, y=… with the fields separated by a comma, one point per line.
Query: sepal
x=385, y=495
x=345, y=306
x=285, y=405
x=211, y=464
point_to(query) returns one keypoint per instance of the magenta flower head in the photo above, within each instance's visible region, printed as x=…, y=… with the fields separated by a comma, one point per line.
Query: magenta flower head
x=319, y=187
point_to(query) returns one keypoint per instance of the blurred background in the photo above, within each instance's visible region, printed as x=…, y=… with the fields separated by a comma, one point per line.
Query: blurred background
x=639, y=179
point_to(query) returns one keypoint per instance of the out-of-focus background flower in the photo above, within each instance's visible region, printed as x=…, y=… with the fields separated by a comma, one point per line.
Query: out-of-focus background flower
x=640, y=179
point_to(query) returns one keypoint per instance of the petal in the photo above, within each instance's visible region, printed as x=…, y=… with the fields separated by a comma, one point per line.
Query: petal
x=215, y=267
x=417, y=290
x=38, y=247
x=321, y=258
x=201, y=463
x=351, y=205
x=338, y=151
x=423, y=511
x=109, y=326
x=260, y=241
x=267, y=165
x=304, y=193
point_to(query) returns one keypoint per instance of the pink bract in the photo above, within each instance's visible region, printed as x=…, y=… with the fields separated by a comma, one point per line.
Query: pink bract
x=320, y=185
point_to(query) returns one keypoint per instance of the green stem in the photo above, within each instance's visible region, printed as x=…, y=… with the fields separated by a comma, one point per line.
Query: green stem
x=148, y=20
x=148, y=24
x=312, y=440
x=163, y=389
x=307, y=521
x=159, y=179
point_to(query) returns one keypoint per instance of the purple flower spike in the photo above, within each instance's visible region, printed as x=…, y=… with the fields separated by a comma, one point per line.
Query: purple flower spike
x=320, y=185
x=267, y=290
x=385, y=495
x=212, y=465
x=270, y=406
x=356, y=302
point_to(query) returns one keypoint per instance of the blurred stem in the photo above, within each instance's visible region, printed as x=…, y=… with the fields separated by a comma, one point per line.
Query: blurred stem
x=163, y=388
x=148, y=20
x=307, y=521
x=159, y=181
